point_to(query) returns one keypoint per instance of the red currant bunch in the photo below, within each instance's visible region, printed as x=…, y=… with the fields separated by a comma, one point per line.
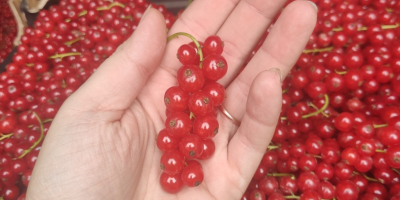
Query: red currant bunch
x=191, y=113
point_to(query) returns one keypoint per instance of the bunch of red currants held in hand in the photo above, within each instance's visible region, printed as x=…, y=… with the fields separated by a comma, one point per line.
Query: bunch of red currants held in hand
x=192, y=113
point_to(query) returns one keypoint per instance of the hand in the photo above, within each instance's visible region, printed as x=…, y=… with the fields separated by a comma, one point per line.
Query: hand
x=101, y=144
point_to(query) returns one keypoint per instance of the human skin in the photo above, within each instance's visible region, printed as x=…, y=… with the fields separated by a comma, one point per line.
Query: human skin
x=101, y=144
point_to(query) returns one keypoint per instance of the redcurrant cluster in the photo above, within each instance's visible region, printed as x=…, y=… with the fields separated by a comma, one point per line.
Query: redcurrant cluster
x=191, y=113
x=339, y=133
x=66, y=45
x=8, y=30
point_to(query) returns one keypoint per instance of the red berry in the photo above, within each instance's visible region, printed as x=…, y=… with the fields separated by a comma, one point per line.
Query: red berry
x=176, y=99
x=344, y=121
x=200, y=103
x=186, y=54
x=268, y=185
x=216, y=91
x=206, y=127
x=214, y=67
x=171, y=183
x=190, y=78
x=172, y=162
x=208, y=150
x=213, y=45
x=392, y=156
x=192, y=175
x=257, y=195
x=191, y=146
x=165, y=141
x=346, y=190
x=178, y=124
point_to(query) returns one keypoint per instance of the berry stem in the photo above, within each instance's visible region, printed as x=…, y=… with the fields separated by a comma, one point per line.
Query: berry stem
x=316, y=156
x=281, y=175
x=396, y=170
x=191, y=115
x=380, y=151
x=365, y=176
x=317, y=50
x=82, y=13
x=364, y=28
x=6, y=136
x=65, y=55
x=110, y=6
x=47, y=121
x=380, y=125
x=39, y=140
x=175, y=35
x=272, y=147
x=340, y=72
x=318, y=111
x=316, y=108
x=69, y=43
x=292, y=197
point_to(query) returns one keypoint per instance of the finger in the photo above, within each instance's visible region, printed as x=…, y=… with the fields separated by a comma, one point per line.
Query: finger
x=280, y=50
x=248, y=145
x=118, y=81
x=243, y=29
x=201, y=19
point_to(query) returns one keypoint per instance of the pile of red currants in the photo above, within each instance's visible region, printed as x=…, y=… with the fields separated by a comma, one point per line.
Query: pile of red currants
x=8, y=30
x=66, y=45
x=339, y=133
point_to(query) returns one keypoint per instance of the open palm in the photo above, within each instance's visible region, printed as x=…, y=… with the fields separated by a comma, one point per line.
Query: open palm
x=101, y=145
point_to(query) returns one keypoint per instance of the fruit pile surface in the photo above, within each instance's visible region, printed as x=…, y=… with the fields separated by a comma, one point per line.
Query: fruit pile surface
x=66, y=45
x=8, y=29
x=339, y=133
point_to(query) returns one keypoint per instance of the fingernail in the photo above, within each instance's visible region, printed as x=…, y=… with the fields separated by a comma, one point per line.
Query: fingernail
x=278, y=72
x=145, y=12
x=313, y=4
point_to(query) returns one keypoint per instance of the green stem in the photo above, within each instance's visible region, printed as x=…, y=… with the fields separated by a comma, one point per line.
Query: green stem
x=82, y=13
x=111, y=5
x=191, y=116
x=72, y=41
x=380, y=151
x=366, y=177
x=292, y=197
x=364, y=28
x=340, y=72
x=65, y=55
x=316, y=156
x=47, y=121
x=380, y=125
x=317, y=50
x=175, y=35
x=272, y=147
x=396, y=170
x=281, y=175
x=39, y=140
x=320, y=110
x=316, y=108
x=6, y=136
